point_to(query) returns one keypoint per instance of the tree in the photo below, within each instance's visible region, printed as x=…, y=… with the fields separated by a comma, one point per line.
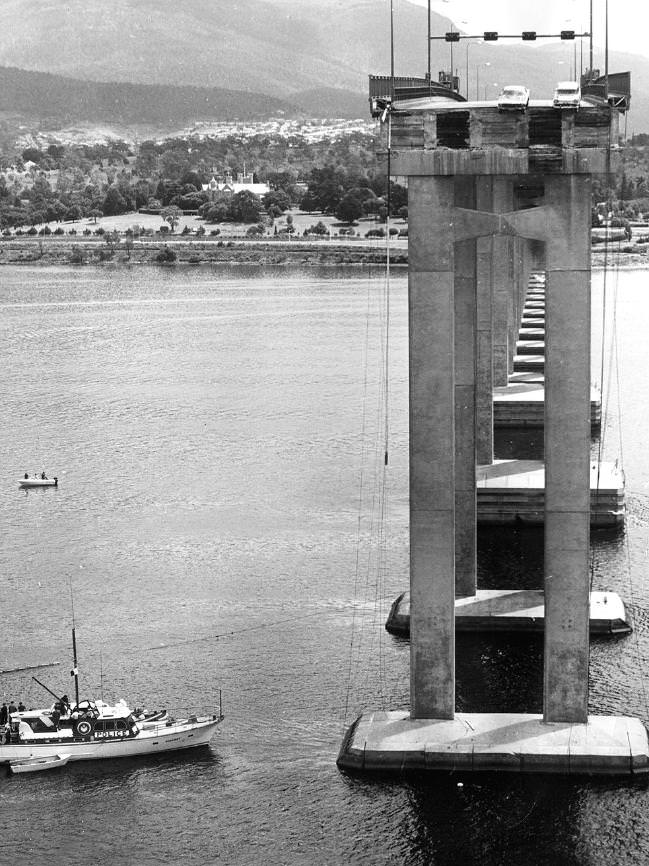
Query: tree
x=76, y=255
x=171, y=214
x=244, y=207
x=189, y=201
x=193, y=178
x=128, y=244
x=277, y=200
x=112, y=239
x=318, y=229
x=350, y=208
x=166, y=256
x=56, y=151
x=114, y=202
x=326, y=188
x=214, y=213
x=398, y=197
x=32, y=154
x=73, y=213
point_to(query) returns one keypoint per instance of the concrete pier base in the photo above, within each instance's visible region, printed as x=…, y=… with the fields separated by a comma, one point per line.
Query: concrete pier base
x=529, y=363
x=514, y=610
x=513, y=491
x=516, y=378
x=392, y=742
x=522, y=404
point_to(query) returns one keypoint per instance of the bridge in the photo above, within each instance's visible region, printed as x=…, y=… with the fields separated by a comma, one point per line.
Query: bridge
x=499, y=207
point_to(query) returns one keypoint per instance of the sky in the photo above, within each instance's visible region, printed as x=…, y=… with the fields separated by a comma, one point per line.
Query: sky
x=628, y=20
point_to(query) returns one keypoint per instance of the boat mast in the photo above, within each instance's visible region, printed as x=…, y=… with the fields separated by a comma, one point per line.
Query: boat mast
x=75, y=670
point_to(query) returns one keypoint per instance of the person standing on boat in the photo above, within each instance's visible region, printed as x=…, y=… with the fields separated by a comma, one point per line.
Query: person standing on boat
x=21, y=707
x=11, y=709
x=4, y=714
x=26, y=474
x=43, y=475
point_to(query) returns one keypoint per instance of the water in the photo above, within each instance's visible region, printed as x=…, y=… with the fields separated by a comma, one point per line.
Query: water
x=218, y=437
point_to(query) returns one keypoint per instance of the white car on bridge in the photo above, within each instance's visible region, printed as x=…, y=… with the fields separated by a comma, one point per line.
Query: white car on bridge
x=514, y=97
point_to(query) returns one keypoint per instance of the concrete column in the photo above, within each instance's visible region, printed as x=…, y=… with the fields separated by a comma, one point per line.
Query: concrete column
x=432, y=446
x=484, y=331
x=466, y=516
x=517, y=299
x=567, y=449
x=503, y=286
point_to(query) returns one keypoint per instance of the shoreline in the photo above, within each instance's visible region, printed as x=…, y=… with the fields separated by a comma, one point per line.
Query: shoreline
x=86, y=252
x=62, y=251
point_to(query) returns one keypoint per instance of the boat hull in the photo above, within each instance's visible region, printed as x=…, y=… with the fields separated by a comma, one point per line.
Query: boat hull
x=37, y=765
x=38, y=482
x=148, y=742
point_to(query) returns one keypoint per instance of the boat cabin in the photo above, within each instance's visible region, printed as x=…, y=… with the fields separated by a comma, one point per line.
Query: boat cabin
x=97, y=721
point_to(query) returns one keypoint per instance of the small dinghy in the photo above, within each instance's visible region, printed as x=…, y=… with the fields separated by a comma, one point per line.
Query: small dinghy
x=34, y=765
x=38, y=481
x=150, y=719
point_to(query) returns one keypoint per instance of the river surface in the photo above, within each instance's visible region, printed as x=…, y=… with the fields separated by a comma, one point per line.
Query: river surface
x=223, y=521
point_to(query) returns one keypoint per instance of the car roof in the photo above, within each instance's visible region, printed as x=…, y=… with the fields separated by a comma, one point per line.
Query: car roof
x=565, y=85
x=514, y=87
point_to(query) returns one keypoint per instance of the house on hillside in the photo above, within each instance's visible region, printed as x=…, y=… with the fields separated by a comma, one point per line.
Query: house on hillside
x=227, y=186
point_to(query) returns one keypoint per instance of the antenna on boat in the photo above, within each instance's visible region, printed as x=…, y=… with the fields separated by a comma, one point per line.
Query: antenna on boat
x=101, y=674
x=75, y=670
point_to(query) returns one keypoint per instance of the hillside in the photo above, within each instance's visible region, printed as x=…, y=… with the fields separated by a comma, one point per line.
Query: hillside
x=58, y=99
x=304, y=55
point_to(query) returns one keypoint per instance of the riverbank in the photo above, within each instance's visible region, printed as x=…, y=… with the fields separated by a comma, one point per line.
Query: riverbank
x=48, y=251
x=92, y=251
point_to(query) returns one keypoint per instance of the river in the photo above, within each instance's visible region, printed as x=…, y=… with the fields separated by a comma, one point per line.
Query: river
x=223, y=521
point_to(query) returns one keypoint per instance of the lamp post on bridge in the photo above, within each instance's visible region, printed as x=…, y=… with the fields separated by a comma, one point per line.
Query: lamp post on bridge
x=468, y=45
x=477, y=79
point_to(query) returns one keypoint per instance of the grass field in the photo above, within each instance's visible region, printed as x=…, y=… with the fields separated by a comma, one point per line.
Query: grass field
x=301, y=221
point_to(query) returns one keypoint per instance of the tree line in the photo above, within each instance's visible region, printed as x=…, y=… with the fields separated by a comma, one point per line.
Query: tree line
x=343, y=178
x=70, y=183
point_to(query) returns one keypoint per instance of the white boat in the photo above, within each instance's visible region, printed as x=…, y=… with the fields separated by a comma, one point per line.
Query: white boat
x=35, y=765
x=92, y=730
x=38, y=481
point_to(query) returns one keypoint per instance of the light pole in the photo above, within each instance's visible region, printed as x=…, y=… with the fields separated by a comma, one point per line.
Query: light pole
x=468, y=45
x=477, y=79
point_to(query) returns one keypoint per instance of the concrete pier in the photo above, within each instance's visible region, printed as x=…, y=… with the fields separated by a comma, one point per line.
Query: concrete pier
x=513, y=491
x=495, y=742
x=515, y=610
x=446, y=149
x=522, y=404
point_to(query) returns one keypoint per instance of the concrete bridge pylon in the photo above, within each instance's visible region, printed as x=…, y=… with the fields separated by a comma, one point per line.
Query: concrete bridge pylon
x=469, y=255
